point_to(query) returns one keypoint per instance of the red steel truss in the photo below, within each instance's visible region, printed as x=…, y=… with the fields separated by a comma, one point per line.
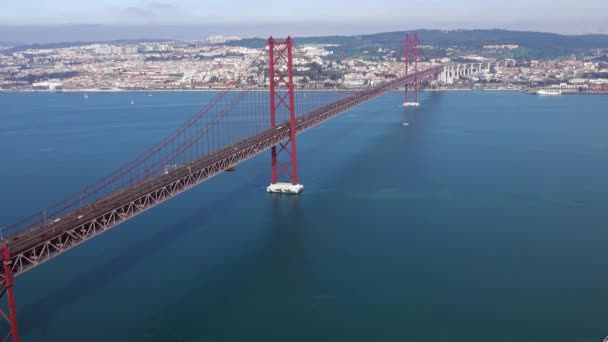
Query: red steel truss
x=32, y=247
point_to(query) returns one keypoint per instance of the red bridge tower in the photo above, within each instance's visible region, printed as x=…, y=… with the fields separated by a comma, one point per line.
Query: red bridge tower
x=282, y=104
x=411, y=53
x=8, y=291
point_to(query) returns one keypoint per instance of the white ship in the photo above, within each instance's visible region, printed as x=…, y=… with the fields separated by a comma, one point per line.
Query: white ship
x=548, y=92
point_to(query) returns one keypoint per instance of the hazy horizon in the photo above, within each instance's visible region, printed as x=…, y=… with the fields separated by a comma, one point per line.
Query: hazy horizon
x=37, y=22
x=60, y=33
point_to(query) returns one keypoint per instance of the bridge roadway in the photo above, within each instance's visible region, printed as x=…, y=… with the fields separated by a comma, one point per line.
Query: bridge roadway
x=32, y=247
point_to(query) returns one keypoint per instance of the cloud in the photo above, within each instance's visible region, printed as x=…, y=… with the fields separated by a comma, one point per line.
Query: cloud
x=141, y=11
x=146, y=10
x=160, y=5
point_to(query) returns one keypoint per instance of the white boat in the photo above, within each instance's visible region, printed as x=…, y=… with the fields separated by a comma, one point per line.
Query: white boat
x=411, y=104
x=86, y=96
x=406, y=124
x=132, y=101
x=150, y=94
x=552, y=92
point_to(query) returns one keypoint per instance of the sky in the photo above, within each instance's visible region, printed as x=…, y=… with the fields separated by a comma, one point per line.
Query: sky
x=314, y=17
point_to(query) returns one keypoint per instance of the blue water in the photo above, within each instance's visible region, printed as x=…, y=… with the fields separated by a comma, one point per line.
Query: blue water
x=483, y=220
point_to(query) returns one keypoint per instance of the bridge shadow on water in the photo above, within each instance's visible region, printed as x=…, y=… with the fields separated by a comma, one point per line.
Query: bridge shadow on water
x=35, y=316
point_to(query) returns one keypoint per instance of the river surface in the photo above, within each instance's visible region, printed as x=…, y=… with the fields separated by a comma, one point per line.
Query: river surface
x=485, y=219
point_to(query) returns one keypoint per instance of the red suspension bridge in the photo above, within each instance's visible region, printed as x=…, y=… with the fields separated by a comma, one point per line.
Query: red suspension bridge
x=239, y=123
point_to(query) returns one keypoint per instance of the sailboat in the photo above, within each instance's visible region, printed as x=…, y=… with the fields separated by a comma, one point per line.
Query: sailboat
x=86, y=96
x=132, y=101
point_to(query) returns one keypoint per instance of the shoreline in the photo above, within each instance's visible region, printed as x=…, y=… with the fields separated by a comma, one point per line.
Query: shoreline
x=447, y=89
x=436, y=90
x=223, y=89
x=152, y=90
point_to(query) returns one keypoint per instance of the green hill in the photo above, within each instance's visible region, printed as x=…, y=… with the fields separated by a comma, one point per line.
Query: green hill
x=532, y=44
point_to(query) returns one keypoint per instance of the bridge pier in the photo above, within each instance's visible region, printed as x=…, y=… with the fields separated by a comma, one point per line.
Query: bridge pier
x=454, y=72
x=280, y=58
x=8, y=290
x=448, y=75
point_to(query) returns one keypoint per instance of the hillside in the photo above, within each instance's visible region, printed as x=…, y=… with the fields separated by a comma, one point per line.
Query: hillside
x=532, y=44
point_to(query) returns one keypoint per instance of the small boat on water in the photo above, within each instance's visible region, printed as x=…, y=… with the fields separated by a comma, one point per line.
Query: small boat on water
x=551, y=92
x=86, y=96
x=132, y=102
x=150, y=95
x=406, y=124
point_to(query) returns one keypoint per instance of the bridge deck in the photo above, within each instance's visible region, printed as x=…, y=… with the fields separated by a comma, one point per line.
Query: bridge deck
x=36, y=245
